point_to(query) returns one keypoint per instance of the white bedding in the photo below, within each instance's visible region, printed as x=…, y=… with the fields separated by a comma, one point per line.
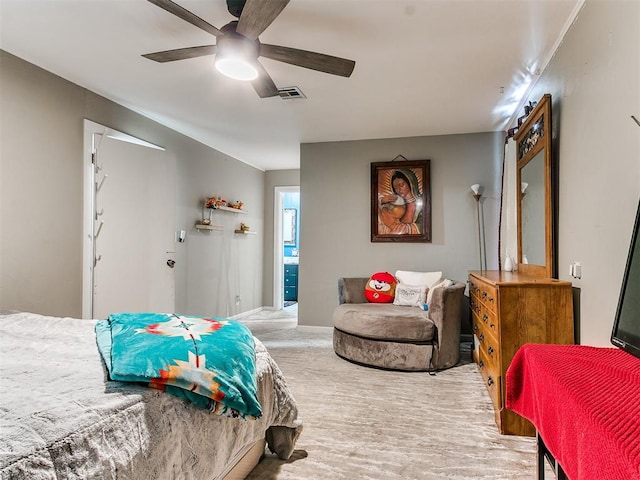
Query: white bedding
x=61, y=418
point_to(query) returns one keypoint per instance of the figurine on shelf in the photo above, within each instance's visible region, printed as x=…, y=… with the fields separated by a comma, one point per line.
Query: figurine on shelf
x=215, y=202
x=237, y=205
x=244, y=227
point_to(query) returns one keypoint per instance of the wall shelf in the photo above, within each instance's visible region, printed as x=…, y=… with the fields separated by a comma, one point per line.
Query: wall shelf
x=210, y=226
x=245, y=232
x=230, y=210
x=201, y=226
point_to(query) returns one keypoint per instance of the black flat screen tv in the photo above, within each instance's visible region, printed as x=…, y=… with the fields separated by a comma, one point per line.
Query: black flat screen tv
x=626, y=327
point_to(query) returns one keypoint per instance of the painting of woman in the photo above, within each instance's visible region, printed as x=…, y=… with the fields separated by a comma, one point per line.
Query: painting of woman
x=400, y=201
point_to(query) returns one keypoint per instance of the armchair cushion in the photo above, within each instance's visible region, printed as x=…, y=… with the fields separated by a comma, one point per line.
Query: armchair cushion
x=384, y=322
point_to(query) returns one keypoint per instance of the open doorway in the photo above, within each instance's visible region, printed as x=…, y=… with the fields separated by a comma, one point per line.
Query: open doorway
x=287, y=246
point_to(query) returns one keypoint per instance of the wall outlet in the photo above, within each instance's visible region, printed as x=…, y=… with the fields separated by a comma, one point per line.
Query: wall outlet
x=575, y=270
x=237, y=299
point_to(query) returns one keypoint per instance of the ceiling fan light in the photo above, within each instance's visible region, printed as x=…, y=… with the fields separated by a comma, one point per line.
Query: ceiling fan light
x=236, y=68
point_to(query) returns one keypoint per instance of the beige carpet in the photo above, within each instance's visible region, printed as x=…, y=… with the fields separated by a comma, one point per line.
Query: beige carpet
x=364, y=423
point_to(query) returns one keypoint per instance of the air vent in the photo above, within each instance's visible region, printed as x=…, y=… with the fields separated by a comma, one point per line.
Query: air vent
x=291, y=93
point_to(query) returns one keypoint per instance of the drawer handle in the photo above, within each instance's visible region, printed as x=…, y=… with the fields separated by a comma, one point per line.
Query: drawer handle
x=492, y=325
x=490, y=350
x=485, y=317
x=481, y=337
x=480, y=364
x=490, y=381
x=484, y=294
x=490, y=299
x=475, y=327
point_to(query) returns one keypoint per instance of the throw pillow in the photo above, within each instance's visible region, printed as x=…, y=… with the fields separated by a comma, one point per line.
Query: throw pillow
x=380, y=288
x=407, y=295
x=442, y=283
x=418, y=278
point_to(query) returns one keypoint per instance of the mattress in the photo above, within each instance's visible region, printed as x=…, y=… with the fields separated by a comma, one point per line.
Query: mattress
x=63, y=419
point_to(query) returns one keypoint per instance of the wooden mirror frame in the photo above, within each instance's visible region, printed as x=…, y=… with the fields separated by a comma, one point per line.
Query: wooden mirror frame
x=534, y=137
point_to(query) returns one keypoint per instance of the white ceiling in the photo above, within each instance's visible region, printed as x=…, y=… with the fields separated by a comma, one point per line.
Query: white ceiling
x=423, y=67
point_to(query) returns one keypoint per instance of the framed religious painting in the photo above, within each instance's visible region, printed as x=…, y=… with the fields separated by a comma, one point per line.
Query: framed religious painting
x=401, y=201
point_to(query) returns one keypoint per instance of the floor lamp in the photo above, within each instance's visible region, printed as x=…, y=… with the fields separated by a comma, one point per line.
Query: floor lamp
x=476, y=188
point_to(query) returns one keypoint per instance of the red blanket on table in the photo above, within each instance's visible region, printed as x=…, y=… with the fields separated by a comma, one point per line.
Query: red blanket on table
x=585, y=403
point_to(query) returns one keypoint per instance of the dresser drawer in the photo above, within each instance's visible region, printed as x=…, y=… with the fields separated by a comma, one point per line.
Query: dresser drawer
x=492, y=379
x=487, y=343
x=291, y=293
x=483, y=294
x=291, y=269
x=488, y=320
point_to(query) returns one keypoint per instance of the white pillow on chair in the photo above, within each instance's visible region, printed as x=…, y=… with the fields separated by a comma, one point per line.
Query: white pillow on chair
x=418, y=279
x=410, y=296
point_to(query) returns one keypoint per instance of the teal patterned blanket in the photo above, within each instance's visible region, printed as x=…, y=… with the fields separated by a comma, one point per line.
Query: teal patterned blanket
x=209, y=361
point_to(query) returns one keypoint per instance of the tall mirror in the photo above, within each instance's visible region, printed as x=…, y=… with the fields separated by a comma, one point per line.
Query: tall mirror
x=535, y=203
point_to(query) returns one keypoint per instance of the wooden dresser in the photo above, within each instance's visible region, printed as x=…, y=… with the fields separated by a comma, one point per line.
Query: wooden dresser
x=509, y=309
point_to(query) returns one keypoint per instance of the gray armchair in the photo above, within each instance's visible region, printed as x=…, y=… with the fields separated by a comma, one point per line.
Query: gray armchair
x=397, y=337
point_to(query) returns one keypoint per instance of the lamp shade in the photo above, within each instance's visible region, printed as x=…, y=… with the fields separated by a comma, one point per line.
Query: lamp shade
x=475, y=188
x=236, y=55
x=236, y=68
x=523, y=187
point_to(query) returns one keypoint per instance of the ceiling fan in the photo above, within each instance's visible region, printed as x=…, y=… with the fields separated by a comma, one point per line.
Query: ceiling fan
x=237, y=45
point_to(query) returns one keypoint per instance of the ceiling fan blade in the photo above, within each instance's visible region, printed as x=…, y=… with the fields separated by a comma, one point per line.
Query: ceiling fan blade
x=181, y=53
x=257, y=15
x=186, y=15
x=263, y=85
x=303, y=58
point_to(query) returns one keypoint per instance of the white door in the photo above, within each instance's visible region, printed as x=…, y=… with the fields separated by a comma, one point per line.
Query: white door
x=135, y=203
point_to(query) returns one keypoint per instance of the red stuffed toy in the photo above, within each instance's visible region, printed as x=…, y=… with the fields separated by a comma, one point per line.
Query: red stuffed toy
x=380, y=288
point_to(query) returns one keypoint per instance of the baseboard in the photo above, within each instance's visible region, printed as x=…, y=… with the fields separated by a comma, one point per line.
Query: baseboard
x=314, y=328
x=249, y=312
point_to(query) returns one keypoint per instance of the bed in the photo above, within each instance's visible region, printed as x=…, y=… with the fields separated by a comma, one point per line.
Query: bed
x=62, y=418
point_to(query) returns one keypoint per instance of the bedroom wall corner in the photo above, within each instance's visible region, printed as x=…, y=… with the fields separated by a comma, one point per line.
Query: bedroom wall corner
x=41, y=199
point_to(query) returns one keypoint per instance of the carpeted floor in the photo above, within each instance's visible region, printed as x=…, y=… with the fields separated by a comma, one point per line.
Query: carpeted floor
x=364, y=423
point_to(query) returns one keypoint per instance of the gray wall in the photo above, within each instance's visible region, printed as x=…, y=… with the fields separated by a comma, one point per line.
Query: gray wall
x=335, y=189
x=594, y=80
x=41, y=200
x=219, y=265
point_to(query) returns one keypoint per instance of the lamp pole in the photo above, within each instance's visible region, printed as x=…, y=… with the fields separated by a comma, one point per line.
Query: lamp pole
x=477, y=196
x=476, y=188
